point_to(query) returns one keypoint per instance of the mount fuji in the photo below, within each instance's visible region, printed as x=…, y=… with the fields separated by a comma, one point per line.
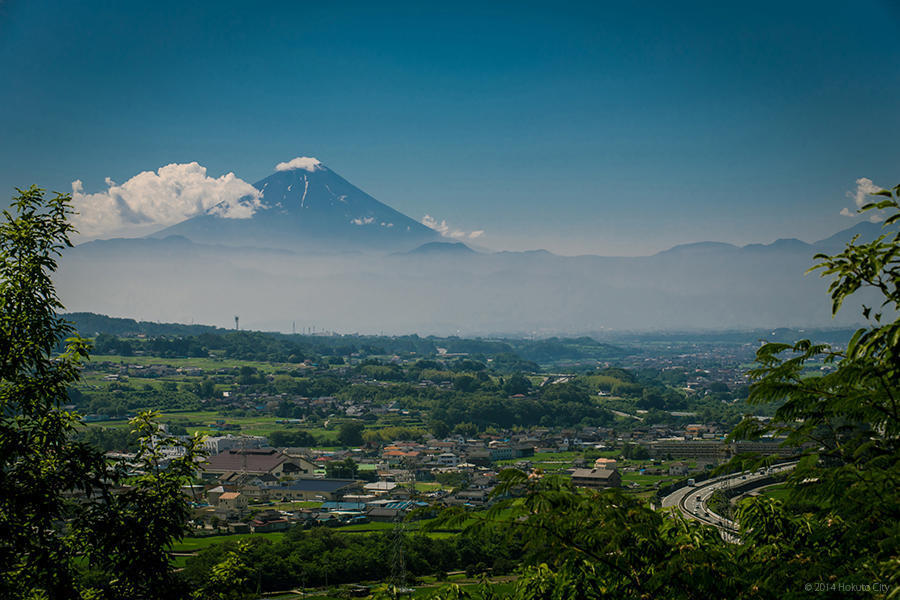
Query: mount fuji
x=305, y=206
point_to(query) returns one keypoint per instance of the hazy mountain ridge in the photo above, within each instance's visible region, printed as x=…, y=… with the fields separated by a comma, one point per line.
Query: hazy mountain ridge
x=446, y=292
x=319, y=251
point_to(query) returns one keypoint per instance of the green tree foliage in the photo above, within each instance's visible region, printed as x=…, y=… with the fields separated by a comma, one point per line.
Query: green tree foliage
x=229, y=579
x=127, y=532
x=635, y=452
x=298, y=439
x=438, y=428
x=350, y=433
x=342, y=469
x=39, y=463
x=313, y=557
x=106, y=439
x=589, y=544
x=517, y=384
x=70, y=527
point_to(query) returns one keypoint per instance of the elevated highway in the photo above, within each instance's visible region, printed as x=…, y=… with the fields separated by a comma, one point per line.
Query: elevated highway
x=692, y=500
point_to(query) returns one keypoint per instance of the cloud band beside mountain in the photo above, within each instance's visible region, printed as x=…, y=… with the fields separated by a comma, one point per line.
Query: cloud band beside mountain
x=152, y=200
x=446, y=231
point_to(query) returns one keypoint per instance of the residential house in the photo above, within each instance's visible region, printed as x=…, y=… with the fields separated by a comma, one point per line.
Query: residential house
x=231, y=503
x=596, y=478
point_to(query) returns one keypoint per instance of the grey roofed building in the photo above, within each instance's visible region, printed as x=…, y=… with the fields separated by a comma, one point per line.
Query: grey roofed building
x=380, y=486
x=257, y=462
x=596, y=478
x=385, y=514
x=317, y=489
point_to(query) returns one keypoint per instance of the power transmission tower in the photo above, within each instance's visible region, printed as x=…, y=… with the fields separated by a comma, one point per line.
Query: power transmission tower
x=398, y=558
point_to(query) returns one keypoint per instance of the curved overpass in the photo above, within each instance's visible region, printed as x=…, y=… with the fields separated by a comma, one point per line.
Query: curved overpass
x=691, y=500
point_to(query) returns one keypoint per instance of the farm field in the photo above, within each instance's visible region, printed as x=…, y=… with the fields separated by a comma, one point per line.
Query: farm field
x=193, y=544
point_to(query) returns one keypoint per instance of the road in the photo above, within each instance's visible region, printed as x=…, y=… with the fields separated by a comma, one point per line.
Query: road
x=691, y=500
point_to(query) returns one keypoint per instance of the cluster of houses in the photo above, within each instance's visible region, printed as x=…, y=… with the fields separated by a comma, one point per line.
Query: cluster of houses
x=237, y=478
x=244, y=471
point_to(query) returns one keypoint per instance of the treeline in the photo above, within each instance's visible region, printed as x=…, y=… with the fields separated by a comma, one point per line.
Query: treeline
x=175, y=340
x=306, y=558
x=91, y=324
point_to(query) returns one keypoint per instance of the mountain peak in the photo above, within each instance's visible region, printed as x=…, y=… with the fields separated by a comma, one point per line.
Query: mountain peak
x=445, y=248
x=306, y=206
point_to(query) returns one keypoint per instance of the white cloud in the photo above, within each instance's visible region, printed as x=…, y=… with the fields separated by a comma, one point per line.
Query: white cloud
x=152, y=200
x=307, y=163
x=429, y=221
x=366, y=221
x=446, y=231
x=864, y=187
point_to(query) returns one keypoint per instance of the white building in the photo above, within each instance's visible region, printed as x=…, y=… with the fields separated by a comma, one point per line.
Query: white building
x=218, y=444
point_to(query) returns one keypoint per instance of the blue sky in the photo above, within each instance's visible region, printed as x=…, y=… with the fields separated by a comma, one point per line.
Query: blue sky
x=610, y=128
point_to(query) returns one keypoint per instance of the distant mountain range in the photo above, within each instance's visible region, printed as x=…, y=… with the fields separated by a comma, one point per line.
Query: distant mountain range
x=318, y=251
x=865, y=230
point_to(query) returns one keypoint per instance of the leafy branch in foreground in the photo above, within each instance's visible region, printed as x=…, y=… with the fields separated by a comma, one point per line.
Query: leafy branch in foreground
x=72, y=525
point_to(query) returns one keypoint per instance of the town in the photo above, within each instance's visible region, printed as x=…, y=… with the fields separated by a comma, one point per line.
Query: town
x=364, y=436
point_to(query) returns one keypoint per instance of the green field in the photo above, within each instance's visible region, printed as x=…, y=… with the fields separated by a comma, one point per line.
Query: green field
x=193, y=544
x=200, y=421
x=779, y=491
x=207, y=364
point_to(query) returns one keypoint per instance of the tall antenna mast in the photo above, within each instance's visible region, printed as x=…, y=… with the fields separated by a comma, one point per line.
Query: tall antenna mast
x=236, y=325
